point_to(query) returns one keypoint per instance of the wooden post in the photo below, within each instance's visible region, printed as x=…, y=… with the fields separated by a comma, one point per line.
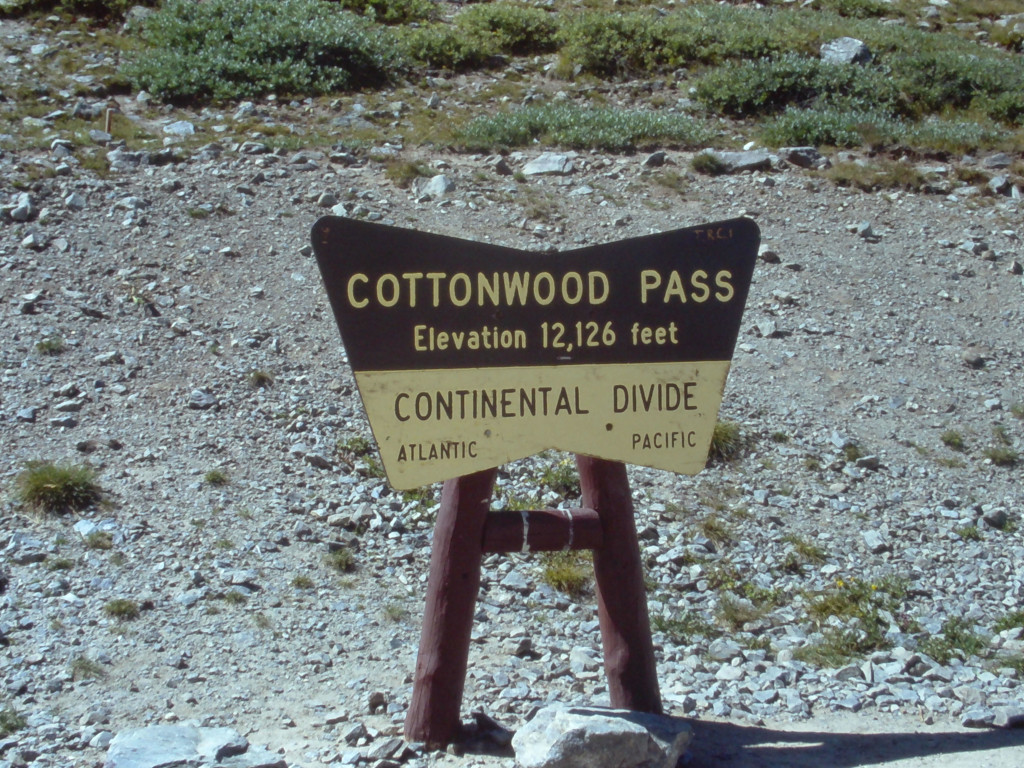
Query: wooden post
x=621, y=595
x=452, y=589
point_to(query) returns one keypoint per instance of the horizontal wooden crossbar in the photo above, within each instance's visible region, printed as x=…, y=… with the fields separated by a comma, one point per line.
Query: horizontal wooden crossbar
x=542, y=530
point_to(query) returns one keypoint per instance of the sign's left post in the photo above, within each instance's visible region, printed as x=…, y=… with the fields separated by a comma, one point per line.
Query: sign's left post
x=452, y=588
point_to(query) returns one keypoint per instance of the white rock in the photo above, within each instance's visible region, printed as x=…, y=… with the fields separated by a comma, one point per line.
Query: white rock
x=598, y=737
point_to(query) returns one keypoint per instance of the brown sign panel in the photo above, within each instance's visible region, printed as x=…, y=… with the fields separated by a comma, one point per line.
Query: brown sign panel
x=468, y=355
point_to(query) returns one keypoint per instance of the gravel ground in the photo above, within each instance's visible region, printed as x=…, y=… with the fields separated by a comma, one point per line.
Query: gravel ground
x=877, y=323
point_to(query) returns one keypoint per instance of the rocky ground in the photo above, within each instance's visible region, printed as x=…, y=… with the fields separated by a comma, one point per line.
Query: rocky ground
x=138, y=303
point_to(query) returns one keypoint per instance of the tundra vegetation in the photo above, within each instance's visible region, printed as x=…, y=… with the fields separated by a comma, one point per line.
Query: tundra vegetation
x=932, y=87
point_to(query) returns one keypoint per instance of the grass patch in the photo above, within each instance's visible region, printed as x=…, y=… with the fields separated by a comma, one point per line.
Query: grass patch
x=713, y=528
x=303, y=582
x=216, y=477
x=562, y=478
x=968, y=533
x=708, y=163
x=52, y=346
x=879, y=175
x=953, y=440
x=59, y=564
x=101, y=540
x=10, y=722
x=683, y=628
x=1011, y=620
x=733, y=612
x=122, y=609
x=567, y=125
x=957, y=639
x=342, y=560
x=84, y=668
x=395, y=612
x=1002, y=456
x=355, y=446
x=57, y=488
x=402, y=173
x=568, y=572
x=807, y=551
x=727, y=442
x=260, y=380
x=864, y=608
x=235, y=597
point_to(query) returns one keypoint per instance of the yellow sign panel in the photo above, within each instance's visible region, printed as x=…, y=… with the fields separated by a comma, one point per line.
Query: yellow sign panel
x=444, y=423
x=469, y=355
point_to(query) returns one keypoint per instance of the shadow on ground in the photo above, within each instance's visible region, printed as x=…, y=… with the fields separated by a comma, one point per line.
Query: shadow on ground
x=729, y=745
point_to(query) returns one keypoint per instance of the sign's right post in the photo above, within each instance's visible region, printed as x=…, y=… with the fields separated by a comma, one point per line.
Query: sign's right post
x=621, y=595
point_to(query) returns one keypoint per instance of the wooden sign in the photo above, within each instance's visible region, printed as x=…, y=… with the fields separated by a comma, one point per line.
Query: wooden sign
x=469, y=355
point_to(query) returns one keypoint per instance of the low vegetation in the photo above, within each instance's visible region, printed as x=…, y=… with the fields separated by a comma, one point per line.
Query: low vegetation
x=341, y=559
x=57, y=488
x=958, y=639
x=216, y=477
x=122, y=608
x=568, y=572
x=10, y=722
x=727, y=442
x=233, y=49
x=943, y=89
x=84, y=668
x=569, y=125
x=863, y=609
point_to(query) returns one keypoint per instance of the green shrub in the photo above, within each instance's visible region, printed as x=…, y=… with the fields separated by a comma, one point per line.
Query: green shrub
x=1009, y=621
x=940, y=80
x=733, y=612
x=444, y=46
x=260, y=379
x=806, y=551
x=829, y=127
x=858, y=9
x=1002, y=456
x=582, y=128
x=402, y=173
x=613, y=44
x=222, y=49
x=513, y=28
x=769, y=85
x=391, y=11
x=48, y=487
x=864, y=608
